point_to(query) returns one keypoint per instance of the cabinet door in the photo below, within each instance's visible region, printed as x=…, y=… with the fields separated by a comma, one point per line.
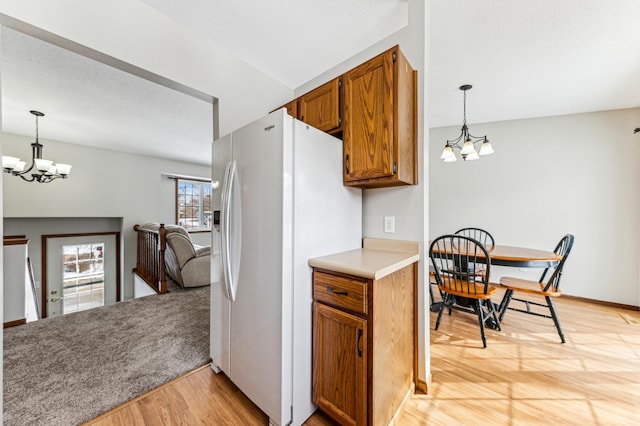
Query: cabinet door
x=320, y=108
x=340, y=364
x=368, y=121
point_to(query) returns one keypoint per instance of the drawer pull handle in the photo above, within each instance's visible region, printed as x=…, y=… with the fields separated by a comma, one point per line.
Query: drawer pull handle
x=358, y=343
x=338, y=292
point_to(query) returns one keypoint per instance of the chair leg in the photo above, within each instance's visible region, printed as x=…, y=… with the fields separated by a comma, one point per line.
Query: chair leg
x=504, y=304
x=494, y=313
x=442, y=305
x=481, y=321
x=554, y=315
x=435, y=306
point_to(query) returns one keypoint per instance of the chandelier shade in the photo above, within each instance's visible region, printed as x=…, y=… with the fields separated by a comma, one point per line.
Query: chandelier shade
x=466, y=142
x=40, y=170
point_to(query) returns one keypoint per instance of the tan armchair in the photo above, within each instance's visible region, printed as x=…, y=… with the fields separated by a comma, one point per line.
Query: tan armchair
x=186, y=263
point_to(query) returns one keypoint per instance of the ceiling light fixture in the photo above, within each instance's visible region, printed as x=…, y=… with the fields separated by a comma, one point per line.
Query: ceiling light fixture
x=40, y=170
x=468, y=149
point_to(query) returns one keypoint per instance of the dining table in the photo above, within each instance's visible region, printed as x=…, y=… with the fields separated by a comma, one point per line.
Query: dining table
x=519, y=257
x=511, y=256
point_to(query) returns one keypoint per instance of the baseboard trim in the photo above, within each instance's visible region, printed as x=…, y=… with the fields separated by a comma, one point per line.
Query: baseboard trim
x=422, y=387
x=602, y=302
x=15, y=322
x=400, y=409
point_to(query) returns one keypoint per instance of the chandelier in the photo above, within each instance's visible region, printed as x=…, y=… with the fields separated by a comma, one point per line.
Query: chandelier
x=40, y=170
x=467, y=150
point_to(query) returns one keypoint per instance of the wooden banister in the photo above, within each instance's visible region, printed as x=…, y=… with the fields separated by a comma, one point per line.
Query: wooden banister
x=152, y=244
x=12, y=240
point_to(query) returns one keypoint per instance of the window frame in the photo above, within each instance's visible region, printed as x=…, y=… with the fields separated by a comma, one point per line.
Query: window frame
x=201, y=216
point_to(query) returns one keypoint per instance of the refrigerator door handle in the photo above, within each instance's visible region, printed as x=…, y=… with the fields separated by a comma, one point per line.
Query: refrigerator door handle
x=230, y=226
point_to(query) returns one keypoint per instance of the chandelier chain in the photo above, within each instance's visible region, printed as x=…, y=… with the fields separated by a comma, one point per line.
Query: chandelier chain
x=464, y=109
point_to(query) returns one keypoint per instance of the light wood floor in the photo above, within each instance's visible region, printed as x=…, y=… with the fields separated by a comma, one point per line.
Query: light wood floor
x=525, y=376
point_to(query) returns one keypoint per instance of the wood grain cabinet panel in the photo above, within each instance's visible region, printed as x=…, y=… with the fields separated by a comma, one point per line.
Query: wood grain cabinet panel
x=340, y=364
x=363, y=362
x=379, y=129
x=320, y=108
x=343, y=293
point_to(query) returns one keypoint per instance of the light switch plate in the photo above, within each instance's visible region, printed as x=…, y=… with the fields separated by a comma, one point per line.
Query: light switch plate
x=390, y=224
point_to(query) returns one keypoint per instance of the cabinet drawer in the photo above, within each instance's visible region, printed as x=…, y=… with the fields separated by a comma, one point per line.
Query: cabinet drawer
x=341, y=292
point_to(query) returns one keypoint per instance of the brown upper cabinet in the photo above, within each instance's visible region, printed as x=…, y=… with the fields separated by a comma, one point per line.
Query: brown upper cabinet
x=373, y=107
x=320, y=108
x=380, y=137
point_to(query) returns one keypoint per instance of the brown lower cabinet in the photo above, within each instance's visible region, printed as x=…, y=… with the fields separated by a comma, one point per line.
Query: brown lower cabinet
x=340, y=369
x=363, y=345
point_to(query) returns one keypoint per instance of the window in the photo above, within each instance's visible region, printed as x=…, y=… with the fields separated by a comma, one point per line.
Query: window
x=193, y=204
x=82, y=276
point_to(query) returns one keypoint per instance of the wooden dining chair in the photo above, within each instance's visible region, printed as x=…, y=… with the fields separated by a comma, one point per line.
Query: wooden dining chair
x=547, y=289
x=478, y=234
x=450, y=256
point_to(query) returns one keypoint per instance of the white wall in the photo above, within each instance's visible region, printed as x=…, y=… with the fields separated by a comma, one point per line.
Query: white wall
x=14, y=261
x=102, y=184
x=549, y=176
x=408, y=204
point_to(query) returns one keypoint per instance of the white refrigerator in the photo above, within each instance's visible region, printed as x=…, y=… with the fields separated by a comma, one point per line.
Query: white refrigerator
x=278, y=200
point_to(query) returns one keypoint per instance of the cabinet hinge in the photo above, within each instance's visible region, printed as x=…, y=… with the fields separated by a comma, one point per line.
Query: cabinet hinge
x=346, y=164
x=395, y=168
x=339, y=83
x=339, y=121
x=394, y=57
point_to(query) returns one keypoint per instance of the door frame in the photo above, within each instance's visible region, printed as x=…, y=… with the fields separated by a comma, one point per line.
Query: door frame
x=45, y=238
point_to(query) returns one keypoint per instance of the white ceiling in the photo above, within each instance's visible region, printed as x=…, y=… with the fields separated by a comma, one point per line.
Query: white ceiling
x=525, y=58
x=88, y=103
x=292, y=41
x=532, y=58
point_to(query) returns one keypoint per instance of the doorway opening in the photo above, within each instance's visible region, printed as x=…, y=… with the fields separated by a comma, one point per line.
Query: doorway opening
x=79, y=272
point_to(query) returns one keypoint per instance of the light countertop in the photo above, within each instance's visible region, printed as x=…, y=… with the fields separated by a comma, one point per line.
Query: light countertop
x=376, y=259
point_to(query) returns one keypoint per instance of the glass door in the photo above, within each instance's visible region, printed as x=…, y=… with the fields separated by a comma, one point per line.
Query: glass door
x=81, y=273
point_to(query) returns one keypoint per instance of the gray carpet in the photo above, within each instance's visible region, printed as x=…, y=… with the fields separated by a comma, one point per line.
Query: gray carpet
x=69, y=369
